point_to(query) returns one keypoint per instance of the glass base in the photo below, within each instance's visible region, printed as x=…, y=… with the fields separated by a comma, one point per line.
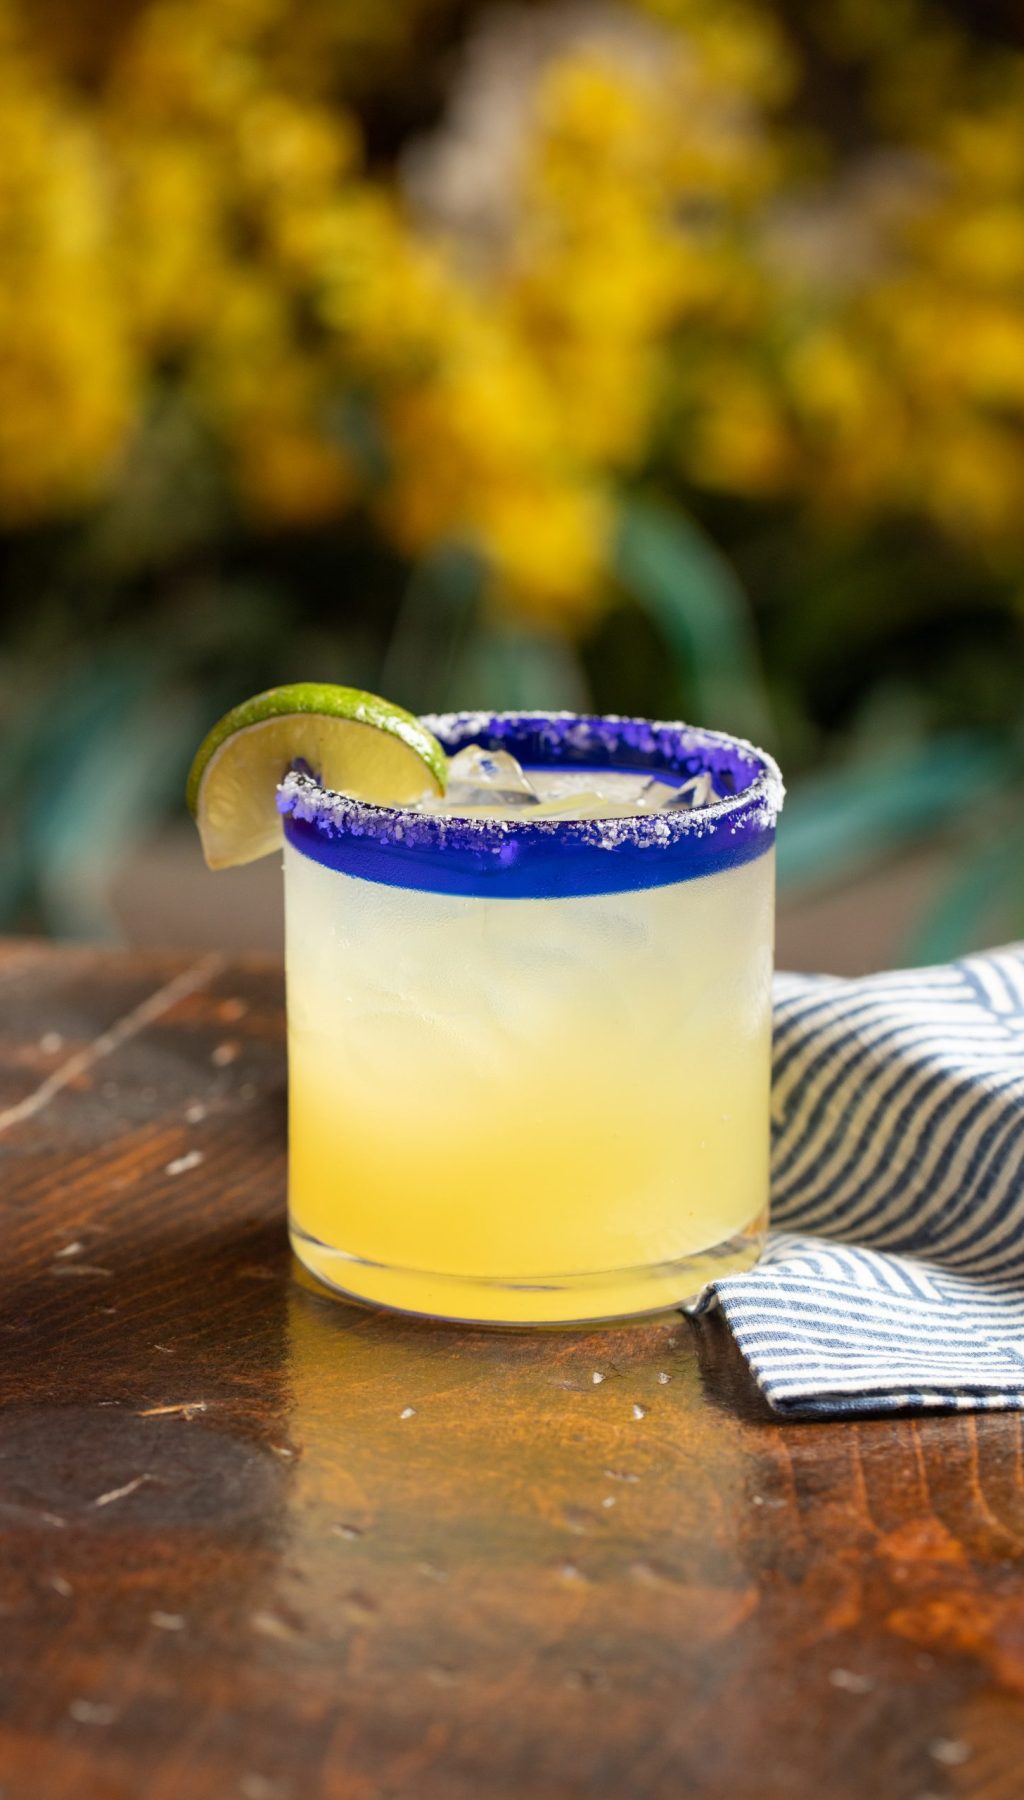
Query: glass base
x=590, y=1299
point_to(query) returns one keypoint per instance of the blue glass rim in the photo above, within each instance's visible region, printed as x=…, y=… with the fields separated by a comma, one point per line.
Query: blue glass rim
x=516, y=858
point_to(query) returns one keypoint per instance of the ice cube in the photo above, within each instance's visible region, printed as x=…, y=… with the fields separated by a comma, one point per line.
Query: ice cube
x=616, y=793
x=658, y=796
x=492, y=782
x=582, y=803
x=589, y=793
x=698, y=791
x=485, y=778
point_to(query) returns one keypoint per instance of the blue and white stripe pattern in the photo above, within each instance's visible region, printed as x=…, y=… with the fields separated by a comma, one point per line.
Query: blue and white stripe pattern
x=894, y=1275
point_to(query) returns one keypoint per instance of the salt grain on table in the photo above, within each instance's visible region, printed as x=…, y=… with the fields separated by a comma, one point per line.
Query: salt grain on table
x=182, y=1164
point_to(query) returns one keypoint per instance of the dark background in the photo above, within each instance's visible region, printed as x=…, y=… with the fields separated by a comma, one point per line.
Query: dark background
x=664, y=357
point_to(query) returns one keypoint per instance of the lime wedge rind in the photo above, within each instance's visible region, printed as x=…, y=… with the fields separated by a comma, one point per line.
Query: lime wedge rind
x=328, y=701
x=355, y=742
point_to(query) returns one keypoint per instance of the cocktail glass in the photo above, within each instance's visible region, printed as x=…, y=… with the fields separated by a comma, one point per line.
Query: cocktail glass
x=529, y=1060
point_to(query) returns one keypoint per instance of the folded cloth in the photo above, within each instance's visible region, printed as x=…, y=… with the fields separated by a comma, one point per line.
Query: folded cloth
x=893, y=1278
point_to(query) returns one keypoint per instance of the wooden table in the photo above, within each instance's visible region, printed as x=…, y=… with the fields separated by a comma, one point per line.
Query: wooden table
x=260, y=1544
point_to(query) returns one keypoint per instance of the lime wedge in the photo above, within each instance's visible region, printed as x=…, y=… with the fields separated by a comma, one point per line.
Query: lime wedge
x=355, y=743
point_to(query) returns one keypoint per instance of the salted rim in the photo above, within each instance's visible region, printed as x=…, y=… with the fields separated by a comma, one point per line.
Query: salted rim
x=756, y=806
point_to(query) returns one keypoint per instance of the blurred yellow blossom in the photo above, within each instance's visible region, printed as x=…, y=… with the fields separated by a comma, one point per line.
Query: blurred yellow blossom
x=933, y=337
x=739, y=48
x=269, y=395
x=201, y=211
x=68, y=381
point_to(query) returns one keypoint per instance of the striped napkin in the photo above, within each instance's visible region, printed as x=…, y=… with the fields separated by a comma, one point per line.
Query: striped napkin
x=894, y=1275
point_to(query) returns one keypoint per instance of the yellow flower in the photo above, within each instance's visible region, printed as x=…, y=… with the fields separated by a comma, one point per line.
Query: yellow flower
x=268, y=397
x=477, y=455
x=66, y=374
x=740, y=48
x=199, y=212
x=973, y=481
x=740, y=439
x=550, y=546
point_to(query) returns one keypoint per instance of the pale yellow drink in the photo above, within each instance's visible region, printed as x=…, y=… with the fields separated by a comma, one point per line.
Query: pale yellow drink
x=528, y=1110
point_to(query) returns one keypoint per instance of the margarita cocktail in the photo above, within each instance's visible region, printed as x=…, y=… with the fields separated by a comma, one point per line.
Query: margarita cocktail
x=529, y=1021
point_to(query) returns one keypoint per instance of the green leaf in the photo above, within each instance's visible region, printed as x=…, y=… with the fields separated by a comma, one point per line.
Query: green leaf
x=505, y=666
x=984, y=899
x=111, y=795
x=354, y=421
x=693, y=596
x=440, y=608
x=836, y=823
x=96, y=761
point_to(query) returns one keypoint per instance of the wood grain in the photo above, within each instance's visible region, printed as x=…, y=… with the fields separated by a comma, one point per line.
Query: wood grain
x=256, y=1543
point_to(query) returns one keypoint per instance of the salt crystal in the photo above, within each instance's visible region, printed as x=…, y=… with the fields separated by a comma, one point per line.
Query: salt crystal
x=258, y=1787
x=949, y=1751
x=92, y=1712
x=182, y=1164
x=849, y=1682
